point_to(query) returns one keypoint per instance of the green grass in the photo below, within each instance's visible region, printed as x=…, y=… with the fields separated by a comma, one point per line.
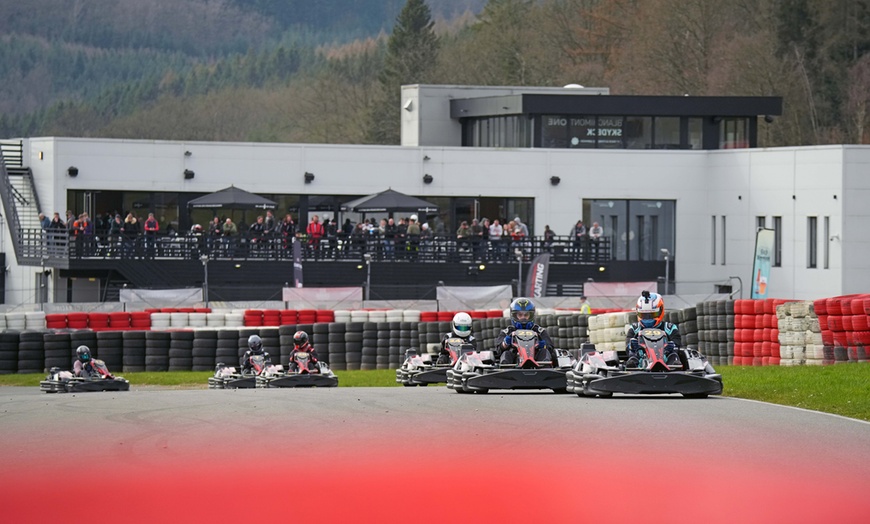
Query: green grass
x=843, y=389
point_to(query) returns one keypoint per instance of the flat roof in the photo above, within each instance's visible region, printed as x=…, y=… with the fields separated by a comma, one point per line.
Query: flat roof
x=616, y=105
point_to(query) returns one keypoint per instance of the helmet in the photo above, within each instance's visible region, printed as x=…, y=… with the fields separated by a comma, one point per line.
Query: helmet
x=414, y=218
x=650, y=309
x=462, y=325
x=83, y=353
x=256, y=344
x=300, y=339
x=522, y=313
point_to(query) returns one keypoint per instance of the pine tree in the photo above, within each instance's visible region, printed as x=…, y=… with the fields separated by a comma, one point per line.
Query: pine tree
x=412, y=50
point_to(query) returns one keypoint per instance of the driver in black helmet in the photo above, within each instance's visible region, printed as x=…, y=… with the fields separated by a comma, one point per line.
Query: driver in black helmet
x=302, y=343
x=255, y=347
x=84, y=364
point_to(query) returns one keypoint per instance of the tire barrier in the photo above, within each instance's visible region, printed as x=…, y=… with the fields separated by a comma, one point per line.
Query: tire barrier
x=741, y=332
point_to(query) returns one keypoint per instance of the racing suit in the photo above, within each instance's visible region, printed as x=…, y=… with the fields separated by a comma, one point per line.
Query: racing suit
x=245, y=361
x=507, y=356
x=671, y=331
x=86, y=370
x=308, y=348
x=444, y=355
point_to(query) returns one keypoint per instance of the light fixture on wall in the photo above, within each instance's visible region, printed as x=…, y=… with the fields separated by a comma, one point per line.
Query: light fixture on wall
x=554, y=180
x=769, y=119
x=309, y=177
x=72, y=171
x=717, y=119
x=426, y=157
x=427, y=178
x=187, y=153
x=188, y=174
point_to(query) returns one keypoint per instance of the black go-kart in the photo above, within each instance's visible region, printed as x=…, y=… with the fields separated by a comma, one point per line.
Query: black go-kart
x=303, y=373
x=228, y=377
x=529, y=368
x=95, y=377
x=424, y=369
x=602, y=374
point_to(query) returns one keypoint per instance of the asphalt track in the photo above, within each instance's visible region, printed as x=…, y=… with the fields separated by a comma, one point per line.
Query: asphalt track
x=423, y=455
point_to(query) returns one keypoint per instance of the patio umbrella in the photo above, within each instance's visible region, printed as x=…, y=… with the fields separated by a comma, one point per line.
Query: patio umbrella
x=388, y=201
x=234, y=198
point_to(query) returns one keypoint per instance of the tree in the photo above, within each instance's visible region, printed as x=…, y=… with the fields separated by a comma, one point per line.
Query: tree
x=412, y=51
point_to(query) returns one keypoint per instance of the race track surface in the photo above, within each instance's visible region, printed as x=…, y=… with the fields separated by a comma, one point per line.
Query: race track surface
x=424, y=455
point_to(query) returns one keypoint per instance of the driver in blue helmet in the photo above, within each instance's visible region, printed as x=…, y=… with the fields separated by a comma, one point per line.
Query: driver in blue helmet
x=650, y=310
x=522, y=311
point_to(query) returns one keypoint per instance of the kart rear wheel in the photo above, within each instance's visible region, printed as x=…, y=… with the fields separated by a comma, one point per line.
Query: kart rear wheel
x=481, y=391
x=695, y=395
x=560, y=390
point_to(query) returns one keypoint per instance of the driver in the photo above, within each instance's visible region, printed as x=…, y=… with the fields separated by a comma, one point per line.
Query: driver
x=461, y=329
x=522, y=312
x=255, y=348
x=84, y=364
x=302, y=344
x=651, y=314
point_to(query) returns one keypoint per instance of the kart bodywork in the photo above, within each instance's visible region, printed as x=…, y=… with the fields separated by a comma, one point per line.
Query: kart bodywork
x=603, y=374
x=424, y=369
x=97, y=378
x=530, y=368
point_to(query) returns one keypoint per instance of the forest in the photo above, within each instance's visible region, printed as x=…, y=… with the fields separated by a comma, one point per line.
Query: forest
x=330, y=71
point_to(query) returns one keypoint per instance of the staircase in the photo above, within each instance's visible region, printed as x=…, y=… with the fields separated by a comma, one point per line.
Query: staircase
x=21, y=205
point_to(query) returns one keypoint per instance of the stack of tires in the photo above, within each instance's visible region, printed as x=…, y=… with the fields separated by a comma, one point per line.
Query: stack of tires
x=134, y=351
x=607, y=331
x=353, y=339
x=8, y=352
x=271, y=341
x=204, y=349
x=715, y=321
x=227, y=351
x=181, y=350
x=369, y=351
x=795, y=323
x=687, y=320
x=320, y=340
x=58, y=350
x=157, y=350
x=110, y=349
x=335, y=355
x=31, y=352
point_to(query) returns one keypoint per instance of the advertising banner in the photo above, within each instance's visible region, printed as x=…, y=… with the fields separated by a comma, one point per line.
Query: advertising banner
x=764, y=240
x=536, y=279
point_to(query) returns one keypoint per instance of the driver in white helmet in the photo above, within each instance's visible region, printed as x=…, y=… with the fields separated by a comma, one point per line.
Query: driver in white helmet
x=461, y=327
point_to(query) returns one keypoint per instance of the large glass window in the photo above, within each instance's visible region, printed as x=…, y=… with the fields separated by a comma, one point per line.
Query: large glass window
x=696, y=133
x=554, y=131
x=638, y=132
x=610, y=131
x=583, y=132
x=637, y=229
x=667, y=133
x=733, y=133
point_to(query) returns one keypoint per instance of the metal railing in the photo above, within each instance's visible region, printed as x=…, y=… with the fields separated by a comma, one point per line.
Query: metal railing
x=60, y=244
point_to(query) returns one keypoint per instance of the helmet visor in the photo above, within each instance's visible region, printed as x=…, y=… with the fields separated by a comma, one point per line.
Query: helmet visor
x=649, y=315
x=522, y=315
x=459, y=328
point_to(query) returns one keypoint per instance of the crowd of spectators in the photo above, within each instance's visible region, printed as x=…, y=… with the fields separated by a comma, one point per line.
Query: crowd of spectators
x=399, y=238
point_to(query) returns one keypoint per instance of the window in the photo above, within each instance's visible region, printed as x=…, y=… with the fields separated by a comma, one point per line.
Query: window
x=696, y=140
x=812, y=241
x=733, y=133
x=609, y=132
x=827, y=243
x=777, y=241
x=667, y=133
x=554, y=131
x=713, y=241
x=583, y=132
x=724, y=236
x=638, y=132
x=760, y=223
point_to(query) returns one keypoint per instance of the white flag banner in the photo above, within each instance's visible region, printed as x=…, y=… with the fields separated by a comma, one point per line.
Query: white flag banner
x=323, y=297
x=162, y=297
x=468, y=298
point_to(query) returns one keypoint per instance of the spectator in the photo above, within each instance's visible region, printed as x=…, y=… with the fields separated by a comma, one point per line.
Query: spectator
x=595, y=234
x=214, y=232
x=477, y=239
x=57, y=232
x=229, y=232
x=151, y=228
x=523, y=228
x=116, y=235
x=425, y=239
x=578, y=239
x=315, y=233
x=131, y=235
x=401, y=238
x=414, y=232
x=463, y=236
x=70, y=222
x=390, y=231
x=257, y=232
x=44, y=222
x=288, y=231
x=549, y=238
x=495, y=238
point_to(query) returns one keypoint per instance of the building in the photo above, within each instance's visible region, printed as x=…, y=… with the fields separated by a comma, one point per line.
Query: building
x=701, y=204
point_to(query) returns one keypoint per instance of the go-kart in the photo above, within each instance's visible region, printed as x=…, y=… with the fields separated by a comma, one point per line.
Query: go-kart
x=421, y=370
x=302, y=373
x=602, y=373
x=95, y=377
x=227, y=377
x=526, y=367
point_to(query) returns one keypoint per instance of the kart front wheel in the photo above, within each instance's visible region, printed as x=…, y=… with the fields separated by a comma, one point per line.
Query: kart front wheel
x=695, y=395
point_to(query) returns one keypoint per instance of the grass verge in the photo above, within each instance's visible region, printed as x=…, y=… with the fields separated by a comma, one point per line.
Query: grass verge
x=843, y=389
